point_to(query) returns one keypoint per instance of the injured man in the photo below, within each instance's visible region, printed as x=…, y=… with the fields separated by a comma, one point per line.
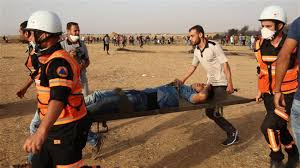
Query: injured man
x=165, y=96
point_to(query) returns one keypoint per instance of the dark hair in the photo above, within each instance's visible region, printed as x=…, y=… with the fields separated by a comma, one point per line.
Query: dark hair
x=70, y=24
x=23, y=25
x=198, y=28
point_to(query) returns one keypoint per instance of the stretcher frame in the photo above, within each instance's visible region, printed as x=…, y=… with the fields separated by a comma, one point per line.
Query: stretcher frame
x=184, y=106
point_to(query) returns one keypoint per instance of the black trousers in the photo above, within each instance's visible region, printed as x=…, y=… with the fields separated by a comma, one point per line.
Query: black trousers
x=274, y=127
x=219, y=93
x=63, y=146
x=106, y=47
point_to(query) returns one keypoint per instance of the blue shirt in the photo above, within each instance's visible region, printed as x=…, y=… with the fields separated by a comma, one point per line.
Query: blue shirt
x=294, y=33
x=167, y=96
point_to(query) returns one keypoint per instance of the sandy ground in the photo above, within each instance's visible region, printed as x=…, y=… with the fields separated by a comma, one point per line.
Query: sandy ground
x=172, y=140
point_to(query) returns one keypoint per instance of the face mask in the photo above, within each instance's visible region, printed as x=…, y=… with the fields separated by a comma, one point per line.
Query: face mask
x=37, y=48
x=267, y=33
x=74, y=38
x=32, y=44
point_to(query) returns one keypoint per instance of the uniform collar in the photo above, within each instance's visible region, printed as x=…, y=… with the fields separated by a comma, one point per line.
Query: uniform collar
x=206, y=46
x=51, y=50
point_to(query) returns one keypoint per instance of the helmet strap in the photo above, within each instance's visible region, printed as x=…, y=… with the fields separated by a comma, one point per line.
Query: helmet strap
x=38, y=38
x=278, y=31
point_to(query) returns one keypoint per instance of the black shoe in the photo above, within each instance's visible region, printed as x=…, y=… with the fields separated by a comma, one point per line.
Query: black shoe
x=292, y=161
x=232, y=138
x=276, y=164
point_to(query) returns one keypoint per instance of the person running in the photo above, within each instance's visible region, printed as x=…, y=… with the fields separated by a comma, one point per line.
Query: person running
x=211, y=56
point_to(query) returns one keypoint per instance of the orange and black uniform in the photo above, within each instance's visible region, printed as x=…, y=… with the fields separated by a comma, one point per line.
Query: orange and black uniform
x=32, y=62
x=59, y=80
x=274, y=126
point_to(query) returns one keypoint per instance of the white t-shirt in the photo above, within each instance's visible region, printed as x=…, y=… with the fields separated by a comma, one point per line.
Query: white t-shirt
x=212, y=58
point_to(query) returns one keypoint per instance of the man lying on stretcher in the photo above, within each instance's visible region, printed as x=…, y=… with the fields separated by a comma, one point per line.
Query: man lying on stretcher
x=148, y=99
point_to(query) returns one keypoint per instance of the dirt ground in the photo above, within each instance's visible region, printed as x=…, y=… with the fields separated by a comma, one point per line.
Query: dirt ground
x=186, y=139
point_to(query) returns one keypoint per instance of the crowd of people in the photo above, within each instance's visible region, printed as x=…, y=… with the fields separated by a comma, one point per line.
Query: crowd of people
x=241, y=40
x=123, y=40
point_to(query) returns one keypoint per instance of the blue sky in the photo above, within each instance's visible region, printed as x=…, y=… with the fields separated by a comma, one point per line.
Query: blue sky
x=143, y=16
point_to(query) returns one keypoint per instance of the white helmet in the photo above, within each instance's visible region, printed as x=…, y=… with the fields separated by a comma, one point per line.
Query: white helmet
x=45, y=21
x=273, y=13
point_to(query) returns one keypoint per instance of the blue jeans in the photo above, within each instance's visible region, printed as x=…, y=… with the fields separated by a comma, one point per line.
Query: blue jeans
x=295, y=120
x=35, y=122
x=108, y=101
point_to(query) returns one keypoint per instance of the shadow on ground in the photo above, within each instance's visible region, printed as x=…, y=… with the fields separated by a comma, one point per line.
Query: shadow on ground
x=207, y=137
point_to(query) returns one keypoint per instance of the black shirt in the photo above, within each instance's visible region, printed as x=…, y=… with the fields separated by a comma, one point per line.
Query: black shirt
x=268, y=49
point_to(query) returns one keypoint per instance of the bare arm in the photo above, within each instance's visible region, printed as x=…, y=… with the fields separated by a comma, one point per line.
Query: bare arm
x=227, y=72
x=281, y=67
x=189, y=72
x=34, y=143
x=283, y=61
x=201, y=96
x=55, y=107
x=86, y=63
x=23, y=90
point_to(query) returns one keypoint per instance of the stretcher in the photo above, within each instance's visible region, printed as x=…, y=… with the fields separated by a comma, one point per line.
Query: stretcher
x=184, y=106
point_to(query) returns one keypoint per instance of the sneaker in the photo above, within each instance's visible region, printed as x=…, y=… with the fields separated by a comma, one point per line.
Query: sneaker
x=276, y=164
x=292, y=162
x=232, y=138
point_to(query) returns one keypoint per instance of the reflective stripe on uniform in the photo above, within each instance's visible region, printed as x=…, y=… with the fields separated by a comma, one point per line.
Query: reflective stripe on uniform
x=60, y=82
x=71, y=112
x=269, y=58
x=290, y=91
x=272, y=140
x=78, y=164
x=66, y=120
x=267, y=70
x=41, y=89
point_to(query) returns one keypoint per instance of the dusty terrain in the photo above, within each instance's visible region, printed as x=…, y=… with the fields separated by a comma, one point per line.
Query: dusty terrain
x=173, y=140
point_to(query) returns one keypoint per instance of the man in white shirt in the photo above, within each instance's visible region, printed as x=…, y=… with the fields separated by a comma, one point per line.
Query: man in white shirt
x=211, y=56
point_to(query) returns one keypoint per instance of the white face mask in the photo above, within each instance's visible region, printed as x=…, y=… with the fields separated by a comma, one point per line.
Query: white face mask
x=74, y=38
x=32, y=44
x=267, y=33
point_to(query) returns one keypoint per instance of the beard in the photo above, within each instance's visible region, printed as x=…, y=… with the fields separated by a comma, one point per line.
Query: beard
x=197, y=41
